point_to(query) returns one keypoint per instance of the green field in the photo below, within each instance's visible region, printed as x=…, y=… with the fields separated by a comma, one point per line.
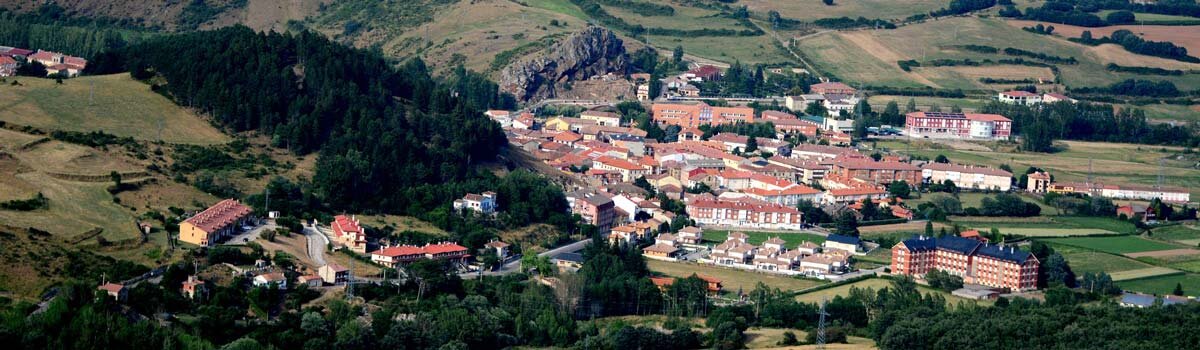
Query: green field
x=975, y=200
x=1110, y=162
x=1164, y=284
x=115, y=104
x=877, y=284
x=1115, y=244
x=732, y=279
x=1179, y=233
x=1154, y=18
x=1086, y=260
x=924, y=102
x=1054, y=226
x=810, y=10
x=1169, y=112
x=870, y=56
x=561, y=6
x=793, y=239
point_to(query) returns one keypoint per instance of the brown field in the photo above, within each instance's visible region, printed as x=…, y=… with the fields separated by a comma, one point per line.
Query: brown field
x=296, y=246
x=904, y=227
x=400, y=223
x=1186, y=36
x=868, y=42
x=1164, y=253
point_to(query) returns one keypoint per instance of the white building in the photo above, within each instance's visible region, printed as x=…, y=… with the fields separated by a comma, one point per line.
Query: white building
x=1018, y=97
x=484, y=203
x=266, y=279
x=965, y=176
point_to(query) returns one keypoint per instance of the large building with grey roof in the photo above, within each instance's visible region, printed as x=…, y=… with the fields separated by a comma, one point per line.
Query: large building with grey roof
x=976, y=262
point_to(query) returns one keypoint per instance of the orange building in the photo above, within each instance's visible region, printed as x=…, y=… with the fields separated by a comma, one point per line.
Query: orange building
x=976, y=262
x=695, y=115
x=218, y=221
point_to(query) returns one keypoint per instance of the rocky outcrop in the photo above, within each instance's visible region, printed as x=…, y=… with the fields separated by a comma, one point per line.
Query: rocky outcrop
x=590, y=52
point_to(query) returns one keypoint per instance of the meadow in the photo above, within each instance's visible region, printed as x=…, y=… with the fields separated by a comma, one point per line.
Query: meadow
x=732, y=279
x=115, y=104
x=1086, y=260
x=871, y=56
x=810, y=10
x=1114, y=163
x=1164, y=284
x=1114, y=244
x=877, y=284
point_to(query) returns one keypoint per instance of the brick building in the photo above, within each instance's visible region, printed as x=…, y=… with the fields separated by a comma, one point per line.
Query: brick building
x=404, y=254
x=743, y=213
x=958, y=125
x=695, y=115
x=877, y=172
x=976, y=262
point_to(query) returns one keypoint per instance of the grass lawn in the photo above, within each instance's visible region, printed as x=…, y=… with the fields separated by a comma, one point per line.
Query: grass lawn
x=731, y=279
x=1143, y=273
x=115, y=104
x=877, y=284
x=1153, y=18
x=1115, y=245
x=793, y=239
x=746, y=49
x=561, y=6
x=401, y=223
x=1052, y=226
x=1164, y=284
x=1170, y=112
x=1086, y=260
x=810, y=10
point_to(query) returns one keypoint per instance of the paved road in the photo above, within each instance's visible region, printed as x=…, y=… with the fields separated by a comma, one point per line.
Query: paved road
x=316, y=244
x=854, y=274
x=252, y=235
x=515, y=265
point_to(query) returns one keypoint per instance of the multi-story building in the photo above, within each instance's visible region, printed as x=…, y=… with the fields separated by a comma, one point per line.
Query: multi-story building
x=1038, y=182
x=876, y=172
x=958, y=125
x=965, y=176
x=222, y=220
x=1127, y=192
x=1019, y=97
x=404, y=254
x=334, y=274
x=596, y=208
x=976, y=262
x=629, y=170
x=743, y=213
x=602, y=118
x=349, y=233
x=695, y=115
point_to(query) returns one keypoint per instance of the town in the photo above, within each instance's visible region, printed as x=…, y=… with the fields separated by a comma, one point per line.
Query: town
x=634, y=174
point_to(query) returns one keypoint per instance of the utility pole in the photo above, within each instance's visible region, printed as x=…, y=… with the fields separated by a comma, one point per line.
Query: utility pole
x=821, y=326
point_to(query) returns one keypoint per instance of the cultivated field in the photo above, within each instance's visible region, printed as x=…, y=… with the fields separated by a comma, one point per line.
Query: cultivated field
x=1141, y=273
x=1115, y=244
x=870, y=56
x=793, y=239
x=1186, y=36
x=1055, y=226
x=1086, y=260
x=115, y=104
x=924, y=103
x=1179, y=233
x=731, y=279
x=810, y=10
x=1112, y=163
x=844, y=290
x=1164, y=284
x=1165, y=253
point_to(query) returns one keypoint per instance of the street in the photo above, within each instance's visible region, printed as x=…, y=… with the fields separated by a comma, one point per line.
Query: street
x=317, y=242
x=515, y=265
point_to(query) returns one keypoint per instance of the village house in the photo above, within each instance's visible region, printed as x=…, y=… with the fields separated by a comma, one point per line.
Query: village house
x=703, y=73
x=334, y=274
x=594, y=207
x=643, y=92
x=501, y=249
x=484, y=203
x=958, y=125
x=1057, y=97
x=665, y=247
x=629, y=171
x=220, y=221
x=568, y=262
x=713, y=285
x=57, y=63
x=843, y=243
x=1132, y=211
x=1018, y=97
x=348, y=233
x=405, y=254
x=276, y=279
x=690, y=235
x=1038, y=182
x=310, y=281
x=601, y=118
x=966, y=176
x=116, y=291
x=695, y=115
x=14, y=52
x=193, y=287
x=824, y=264
x=8, y=66
x=566, y=124
x=567, y=138
x=689, y=90
x=976, y=262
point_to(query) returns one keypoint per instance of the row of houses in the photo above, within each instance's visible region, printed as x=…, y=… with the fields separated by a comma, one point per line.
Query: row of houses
x=833, y=257
x=56, y=63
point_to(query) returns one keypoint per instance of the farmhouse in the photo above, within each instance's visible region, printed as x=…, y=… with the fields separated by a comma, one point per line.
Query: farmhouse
x=958, y=125
x=8, y=66
x=404, y=254
x=484, y=203
x=219, y=221
x=59, y=63
x=348, y=233
x=966, y=176
x=1018, y=97
x=976, y=262
x=276, y=279
x=695, y=115
x=115, y=290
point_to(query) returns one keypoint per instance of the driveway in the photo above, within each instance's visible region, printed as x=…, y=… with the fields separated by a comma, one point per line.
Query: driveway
x=251, y=235
x=317, y=242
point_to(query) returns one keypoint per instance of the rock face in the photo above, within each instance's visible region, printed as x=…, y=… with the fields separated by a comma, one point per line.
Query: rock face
x=590, y=52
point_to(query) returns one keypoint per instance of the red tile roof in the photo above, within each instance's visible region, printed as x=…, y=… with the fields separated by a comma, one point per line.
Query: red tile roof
x=5, y=60
x=619, y=163
x=1018, y=93
x=220, y=215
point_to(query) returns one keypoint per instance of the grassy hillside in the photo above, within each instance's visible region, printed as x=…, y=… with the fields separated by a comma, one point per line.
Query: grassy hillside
x=113, y=103
x=871, y=56
x=811, y=10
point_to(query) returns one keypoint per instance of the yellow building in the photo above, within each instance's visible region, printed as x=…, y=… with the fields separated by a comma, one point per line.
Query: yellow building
x=219, y=221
